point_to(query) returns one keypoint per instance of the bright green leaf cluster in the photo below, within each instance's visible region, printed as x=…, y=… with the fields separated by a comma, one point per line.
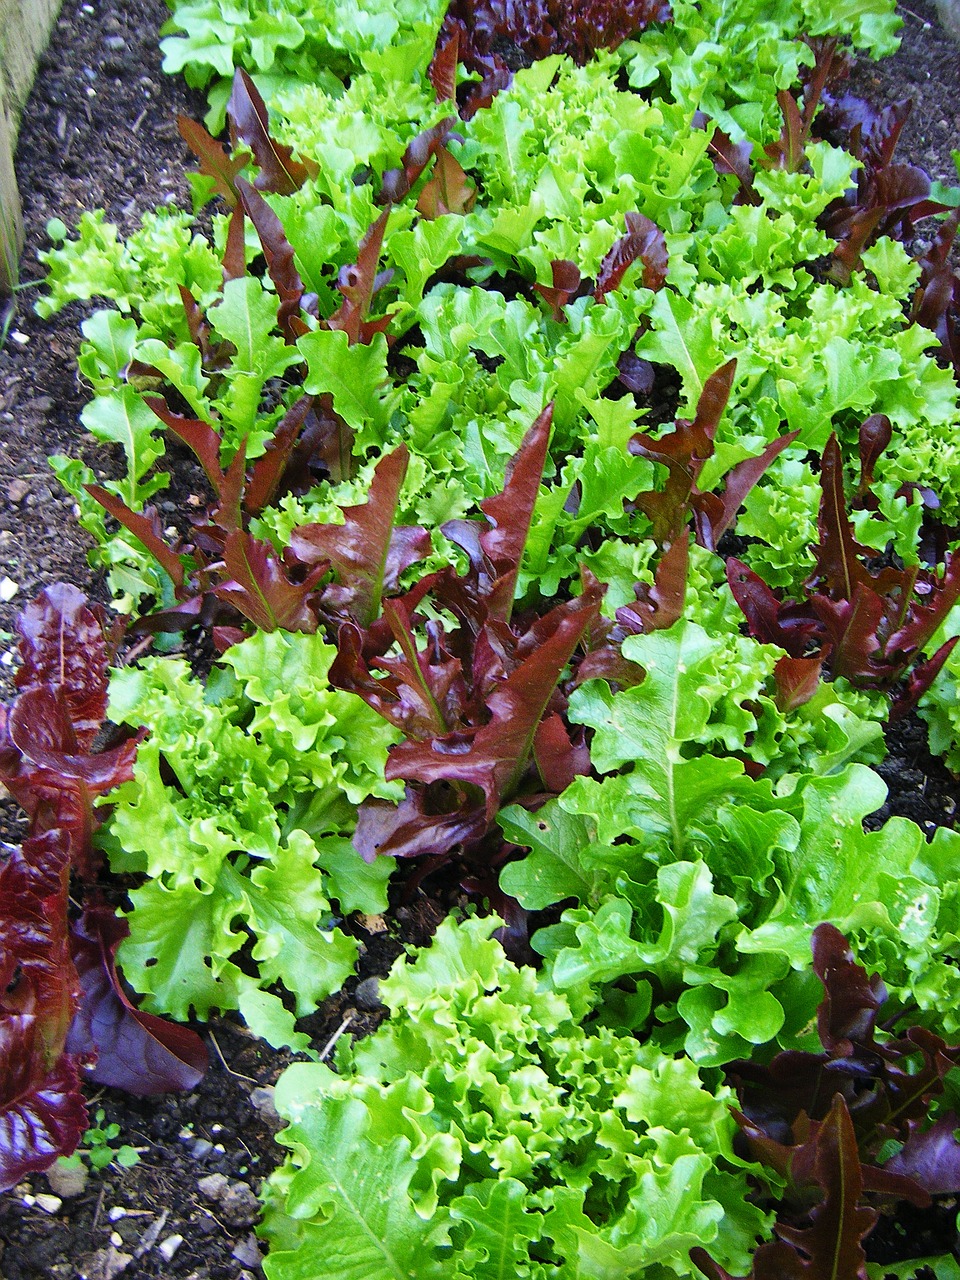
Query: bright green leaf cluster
x=484, y=1131
x=240, y=813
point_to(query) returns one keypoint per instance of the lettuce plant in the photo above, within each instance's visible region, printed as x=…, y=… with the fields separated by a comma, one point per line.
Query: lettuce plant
x=697, y=885
x=240, y=812
x=486, y=1130
x=827, y=1122
x=64, y=1013
x=871, y=626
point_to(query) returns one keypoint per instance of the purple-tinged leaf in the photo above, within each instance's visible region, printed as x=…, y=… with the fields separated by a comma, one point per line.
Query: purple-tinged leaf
x=53, y=779
x=789, y=625
x=931, y=1157
x=797, y=680
x=495, y=756
x=420, y=151
x=267, y=471
x=62, y=645
x=443, y=69
x=559, y=757
x=918, y=620
x=42, y=1112
x=278, y=253
x=205, y=443
x=644, y=240
x=449, y=190
x=214, y=161
x=357, y=283
x=838, y=554
x=196, y=434
x=247, y=112
x=260, y=589
x=566, y=281
x=135, y=1051
x=415, y=693
x=661, y=605
x=147, y=527
x=419, y=827
x=44, y=1120
x=833, y=1241
x=636, y=374
x=495, y=554
x=875, y=434
x=368, y=551
x=199, y=329
x=234, y=251
x=325, y=444
x=848, y=1010
x=712, y=514
x=919, y=681
x=683, y=452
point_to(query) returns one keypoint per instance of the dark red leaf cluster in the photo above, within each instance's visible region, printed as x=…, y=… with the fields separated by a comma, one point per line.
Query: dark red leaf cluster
x=493, y=38
x=820, y=1120
x=869, y=625
x=479, y=704
x=50, y=763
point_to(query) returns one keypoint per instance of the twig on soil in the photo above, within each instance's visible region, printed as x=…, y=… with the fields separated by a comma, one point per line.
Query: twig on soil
x=96, y=1212
x=229, y=1070
x=328, y=1047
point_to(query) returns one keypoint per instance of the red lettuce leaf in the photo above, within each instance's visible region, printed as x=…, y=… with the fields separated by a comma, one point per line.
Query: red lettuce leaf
x=368, y=552
x=644, y=240
x=278, y=253
x=247, y=112
x=259, y=588
x=62, y=643
x=495, y=554
x=358, y=283
x=42, y=1112
x=487, y=32
x=214, y=161
x=495, y=756
x=566, y=281
x=449, y=190
x=135, y=1051
x=147, y=527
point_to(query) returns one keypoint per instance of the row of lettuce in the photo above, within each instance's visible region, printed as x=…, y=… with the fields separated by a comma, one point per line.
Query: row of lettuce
x=479, y=377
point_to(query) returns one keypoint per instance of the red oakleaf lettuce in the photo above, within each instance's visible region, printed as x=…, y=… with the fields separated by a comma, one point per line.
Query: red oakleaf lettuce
x=247, y=113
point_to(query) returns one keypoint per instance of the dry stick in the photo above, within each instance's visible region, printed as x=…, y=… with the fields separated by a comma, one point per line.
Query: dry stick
x=229, y=1070
x=96, y=1212
x=327, y=1048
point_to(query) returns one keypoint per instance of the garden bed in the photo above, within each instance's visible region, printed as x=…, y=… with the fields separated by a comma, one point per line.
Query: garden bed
x=99, y=131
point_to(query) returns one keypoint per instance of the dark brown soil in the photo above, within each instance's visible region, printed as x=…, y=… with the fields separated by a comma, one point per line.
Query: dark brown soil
x=99, y=131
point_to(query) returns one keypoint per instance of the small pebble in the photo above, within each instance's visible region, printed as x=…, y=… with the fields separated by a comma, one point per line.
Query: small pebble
x=114, y=43
x=200, y=1148
x=116, y=1213
x=17, y=490
x=167, y=1248
x=8, y=589
x=49, y=1204
x=262, y=1100
x=367, y=994
x=247, y=1252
